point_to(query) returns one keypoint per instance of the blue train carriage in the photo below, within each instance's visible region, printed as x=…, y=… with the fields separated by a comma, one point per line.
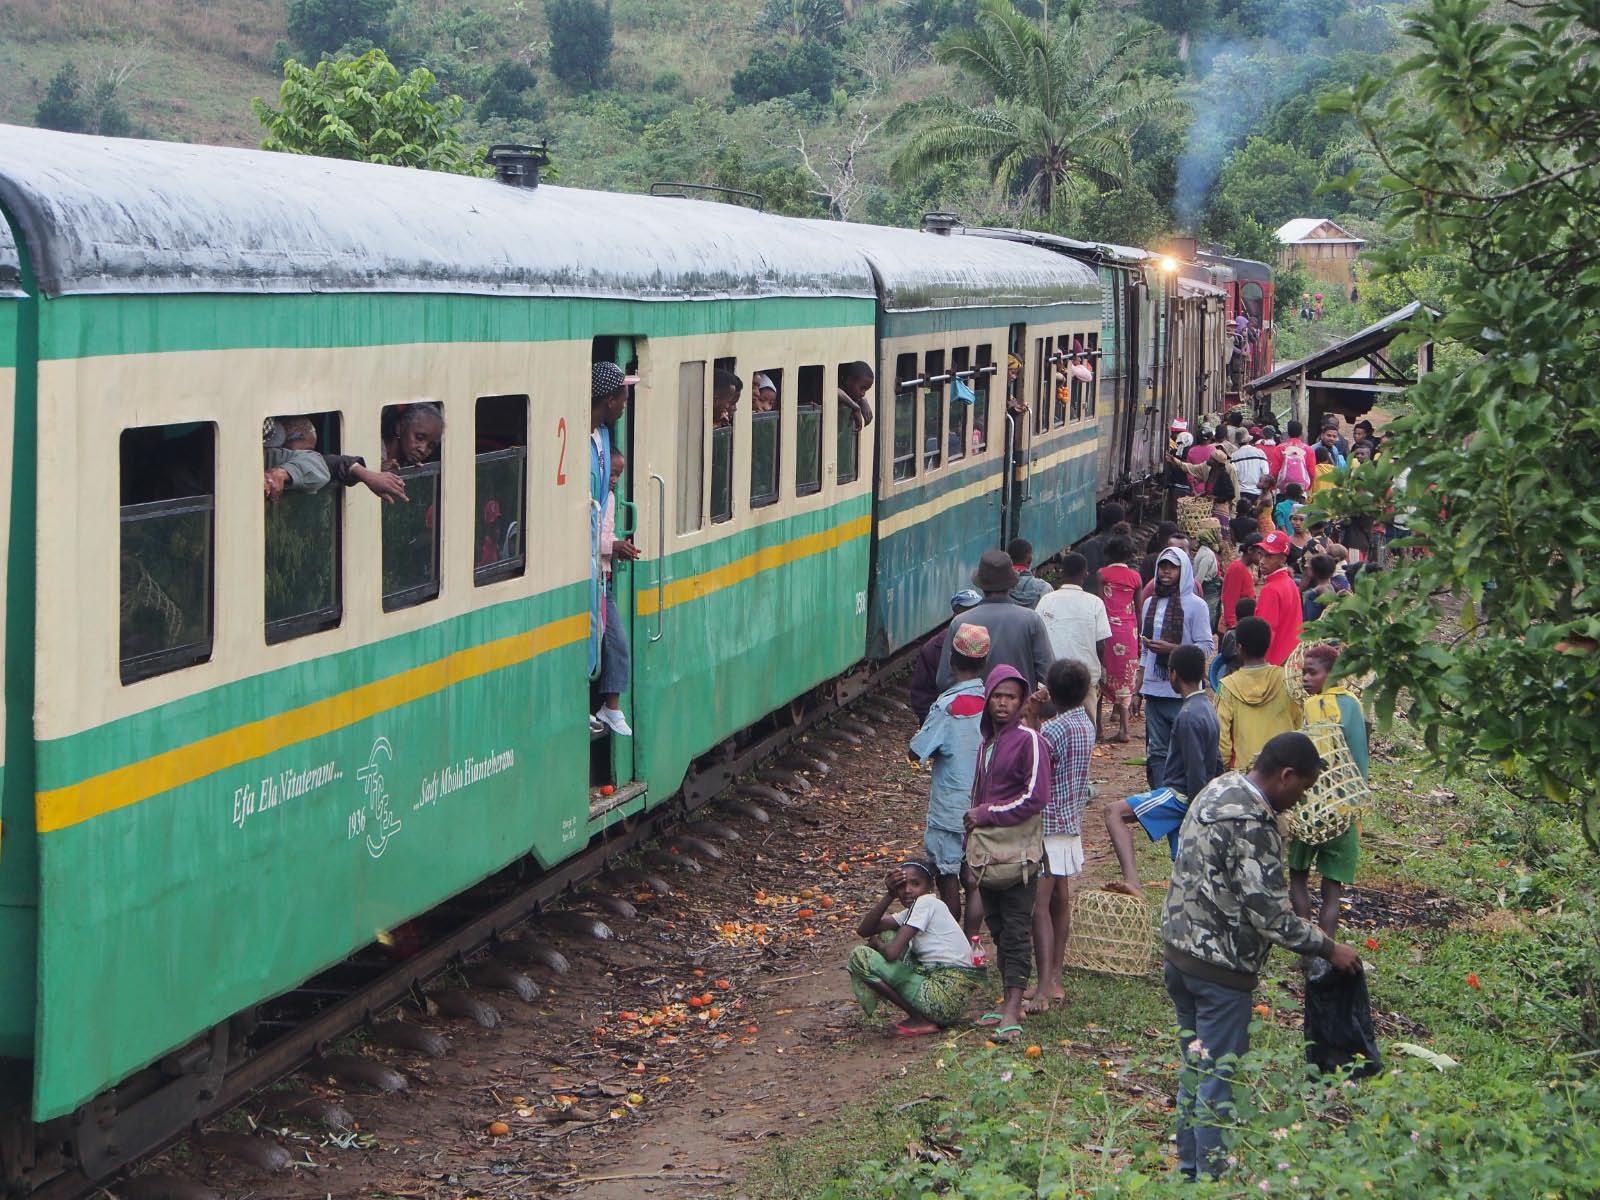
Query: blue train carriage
x=244, y=737
x=957, y=473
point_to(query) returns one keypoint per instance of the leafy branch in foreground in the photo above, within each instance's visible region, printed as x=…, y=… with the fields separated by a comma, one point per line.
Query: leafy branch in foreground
x=1491, y=157
x=361, y=108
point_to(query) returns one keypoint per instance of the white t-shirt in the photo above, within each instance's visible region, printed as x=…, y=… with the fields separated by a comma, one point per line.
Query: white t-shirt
x=1075, y=621
x=939, y=939
x=1250, y=464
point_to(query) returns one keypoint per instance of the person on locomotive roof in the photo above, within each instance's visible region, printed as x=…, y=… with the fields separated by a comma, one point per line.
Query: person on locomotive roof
x=1017, y=635
x=415, y=437
x=855, y=381
x=289, y=459
x=725, y=390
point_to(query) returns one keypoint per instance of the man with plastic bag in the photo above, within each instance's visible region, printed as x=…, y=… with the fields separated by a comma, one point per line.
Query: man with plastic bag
x=1226, y=907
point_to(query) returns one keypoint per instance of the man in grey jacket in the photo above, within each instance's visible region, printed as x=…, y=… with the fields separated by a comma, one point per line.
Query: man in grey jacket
x=1227, y=905
x=1017, y=636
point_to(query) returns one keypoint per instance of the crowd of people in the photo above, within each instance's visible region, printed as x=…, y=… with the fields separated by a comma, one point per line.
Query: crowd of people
x=1209, y=636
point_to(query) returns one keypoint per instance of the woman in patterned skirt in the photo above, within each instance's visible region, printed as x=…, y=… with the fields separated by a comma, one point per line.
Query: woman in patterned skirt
x=1119, y=585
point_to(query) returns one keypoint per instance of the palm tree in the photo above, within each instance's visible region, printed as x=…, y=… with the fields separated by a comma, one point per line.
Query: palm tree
x=1064, y=105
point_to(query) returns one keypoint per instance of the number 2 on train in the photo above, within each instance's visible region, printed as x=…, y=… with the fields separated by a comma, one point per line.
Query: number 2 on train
x=561, y=461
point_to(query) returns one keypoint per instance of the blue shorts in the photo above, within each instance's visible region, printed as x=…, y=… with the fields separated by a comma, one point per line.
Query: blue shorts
x=946, y=847
x=1161, y=814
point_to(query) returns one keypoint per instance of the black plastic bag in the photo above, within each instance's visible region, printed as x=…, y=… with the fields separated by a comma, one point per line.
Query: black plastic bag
x=1339, y=1021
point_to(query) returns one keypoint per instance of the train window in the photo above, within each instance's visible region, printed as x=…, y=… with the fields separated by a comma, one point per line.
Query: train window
x=1075, y=384
x=168, y=502
x=766, y=436
x=1092, y=388
x=906, y=383
x=961, y=397
x=302, y=583
x=691, y=445
x=412, y=434
x=726, y=389
x=848, y=438
x=934, y=380
x=808, y=432
x=501, y=505
x=983, y=373
x=1043, y=348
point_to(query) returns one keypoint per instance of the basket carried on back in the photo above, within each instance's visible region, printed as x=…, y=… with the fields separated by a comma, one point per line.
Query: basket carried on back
x=1333, y=802
x=1112, y=934
x=1193, y=513
x=1294, y=673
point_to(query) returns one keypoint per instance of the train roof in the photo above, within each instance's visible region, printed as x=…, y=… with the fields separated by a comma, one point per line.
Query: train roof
x=104, y=215
x=1096, y=251
x=919, y=271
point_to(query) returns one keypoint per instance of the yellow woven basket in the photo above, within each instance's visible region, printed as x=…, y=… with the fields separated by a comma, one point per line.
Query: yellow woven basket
x=1112, y=934
x=1338, y=795
x=1193, y=513
x=1294, y=673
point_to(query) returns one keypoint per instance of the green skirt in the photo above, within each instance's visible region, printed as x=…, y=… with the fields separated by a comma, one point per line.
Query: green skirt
x=938, y=991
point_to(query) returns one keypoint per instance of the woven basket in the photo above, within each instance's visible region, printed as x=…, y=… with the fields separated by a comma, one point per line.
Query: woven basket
x=1336, y=798
x=1112, y=934
x=1193, y=513
x=1294, y=673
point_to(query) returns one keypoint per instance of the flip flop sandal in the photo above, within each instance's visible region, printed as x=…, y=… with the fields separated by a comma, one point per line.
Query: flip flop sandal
x=989, y=1020
x=1007, y=1033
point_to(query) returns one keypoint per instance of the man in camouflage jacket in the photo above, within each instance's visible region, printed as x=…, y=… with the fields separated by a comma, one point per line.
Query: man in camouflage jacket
x=1227, y=905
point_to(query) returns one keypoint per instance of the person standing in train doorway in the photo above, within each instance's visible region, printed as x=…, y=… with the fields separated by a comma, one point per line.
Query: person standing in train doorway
x=608, y=399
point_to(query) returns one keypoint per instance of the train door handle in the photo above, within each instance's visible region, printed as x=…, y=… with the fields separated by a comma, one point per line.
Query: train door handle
x=661, y=556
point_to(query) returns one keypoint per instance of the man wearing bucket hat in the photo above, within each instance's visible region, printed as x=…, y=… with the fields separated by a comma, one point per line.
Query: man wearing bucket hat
x=1279, y=603
x=1017, y=635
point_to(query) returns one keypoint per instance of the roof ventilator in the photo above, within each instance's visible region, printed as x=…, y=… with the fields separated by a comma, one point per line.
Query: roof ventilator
x=941, y=223
x=518, y=165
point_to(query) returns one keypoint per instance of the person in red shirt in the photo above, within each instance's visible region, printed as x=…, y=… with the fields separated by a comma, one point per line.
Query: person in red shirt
x=1279, y=603
x=1239, y=581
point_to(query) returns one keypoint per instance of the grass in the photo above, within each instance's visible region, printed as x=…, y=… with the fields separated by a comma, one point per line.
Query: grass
x=1504, y=986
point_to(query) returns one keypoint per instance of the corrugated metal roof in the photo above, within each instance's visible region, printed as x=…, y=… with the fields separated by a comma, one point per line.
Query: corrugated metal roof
x=10, y=263
x=1299, y=229
x=918, y=271
x=1359, y=344
x=121, y=215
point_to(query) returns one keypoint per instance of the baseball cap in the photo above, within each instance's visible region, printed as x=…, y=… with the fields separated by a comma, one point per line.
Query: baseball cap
x=605, y=378
x=1276, y=542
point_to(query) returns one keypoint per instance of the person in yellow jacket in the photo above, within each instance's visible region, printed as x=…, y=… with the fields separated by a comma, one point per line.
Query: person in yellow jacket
x=1254, y=705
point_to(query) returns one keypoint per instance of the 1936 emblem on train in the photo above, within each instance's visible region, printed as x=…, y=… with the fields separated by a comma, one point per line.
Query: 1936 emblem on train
x=377, y=820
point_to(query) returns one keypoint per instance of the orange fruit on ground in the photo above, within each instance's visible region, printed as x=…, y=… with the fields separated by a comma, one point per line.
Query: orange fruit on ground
x=805, y=914
x=723, y=985
x=498, y=1129
x=1261, y=1010
x=697, y=1002
x=826, y=902
x=1032, y=1052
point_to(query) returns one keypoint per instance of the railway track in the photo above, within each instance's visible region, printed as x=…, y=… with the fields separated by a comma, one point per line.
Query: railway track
x=123, y=1128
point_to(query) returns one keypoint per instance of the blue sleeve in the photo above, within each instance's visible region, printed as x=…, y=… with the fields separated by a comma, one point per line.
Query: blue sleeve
x=929, y=740
x=1197, y=624
x=1354, y=723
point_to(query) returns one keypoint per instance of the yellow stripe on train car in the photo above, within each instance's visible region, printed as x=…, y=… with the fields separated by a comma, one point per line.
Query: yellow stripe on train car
x=122, y=787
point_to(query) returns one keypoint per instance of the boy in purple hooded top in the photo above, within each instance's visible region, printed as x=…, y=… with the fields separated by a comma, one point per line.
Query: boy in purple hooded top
x=1010, y=787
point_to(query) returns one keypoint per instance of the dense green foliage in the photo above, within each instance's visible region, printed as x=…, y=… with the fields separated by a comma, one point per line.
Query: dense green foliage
x=1058, y=111
x=66, y=106
x=325, y=26
x=806, y=70
x=580, y=42
x=362, y=108
x=1492, y=153
x=509, y=94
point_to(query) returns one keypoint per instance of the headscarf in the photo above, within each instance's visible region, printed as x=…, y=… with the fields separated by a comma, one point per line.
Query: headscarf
x=1172, y=618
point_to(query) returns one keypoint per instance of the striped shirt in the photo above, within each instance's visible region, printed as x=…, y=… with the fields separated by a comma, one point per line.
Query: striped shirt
x=1070, y=738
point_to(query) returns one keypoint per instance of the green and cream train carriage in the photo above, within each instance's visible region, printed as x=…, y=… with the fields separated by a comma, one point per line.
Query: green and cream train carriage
x=243, y=737
x=250, y=735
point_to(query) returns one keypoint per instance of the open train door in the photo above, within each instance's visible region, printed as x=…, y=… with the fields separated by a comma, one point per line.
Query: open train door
x=1019, y=432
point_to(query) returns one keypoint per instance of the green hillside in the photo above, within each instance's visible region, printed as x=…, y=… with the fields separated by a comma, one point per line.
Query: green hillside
x=789, y=98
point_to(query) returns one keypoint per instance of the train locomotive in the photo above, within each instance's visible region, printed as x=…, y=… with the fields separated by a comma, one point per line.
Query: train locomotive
x=243, y=738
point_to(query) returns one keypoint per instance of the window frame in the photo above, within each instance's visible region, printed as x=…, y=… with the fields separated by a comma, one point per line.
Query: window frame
x=802, y=408
x=288, y=629
x=411, y=597
x=173, y=658
x=905, y=393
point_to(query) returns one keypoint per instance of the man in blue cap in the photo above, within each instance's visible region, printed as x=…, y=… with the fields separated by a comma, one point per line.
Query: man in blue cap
x=923, y=688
